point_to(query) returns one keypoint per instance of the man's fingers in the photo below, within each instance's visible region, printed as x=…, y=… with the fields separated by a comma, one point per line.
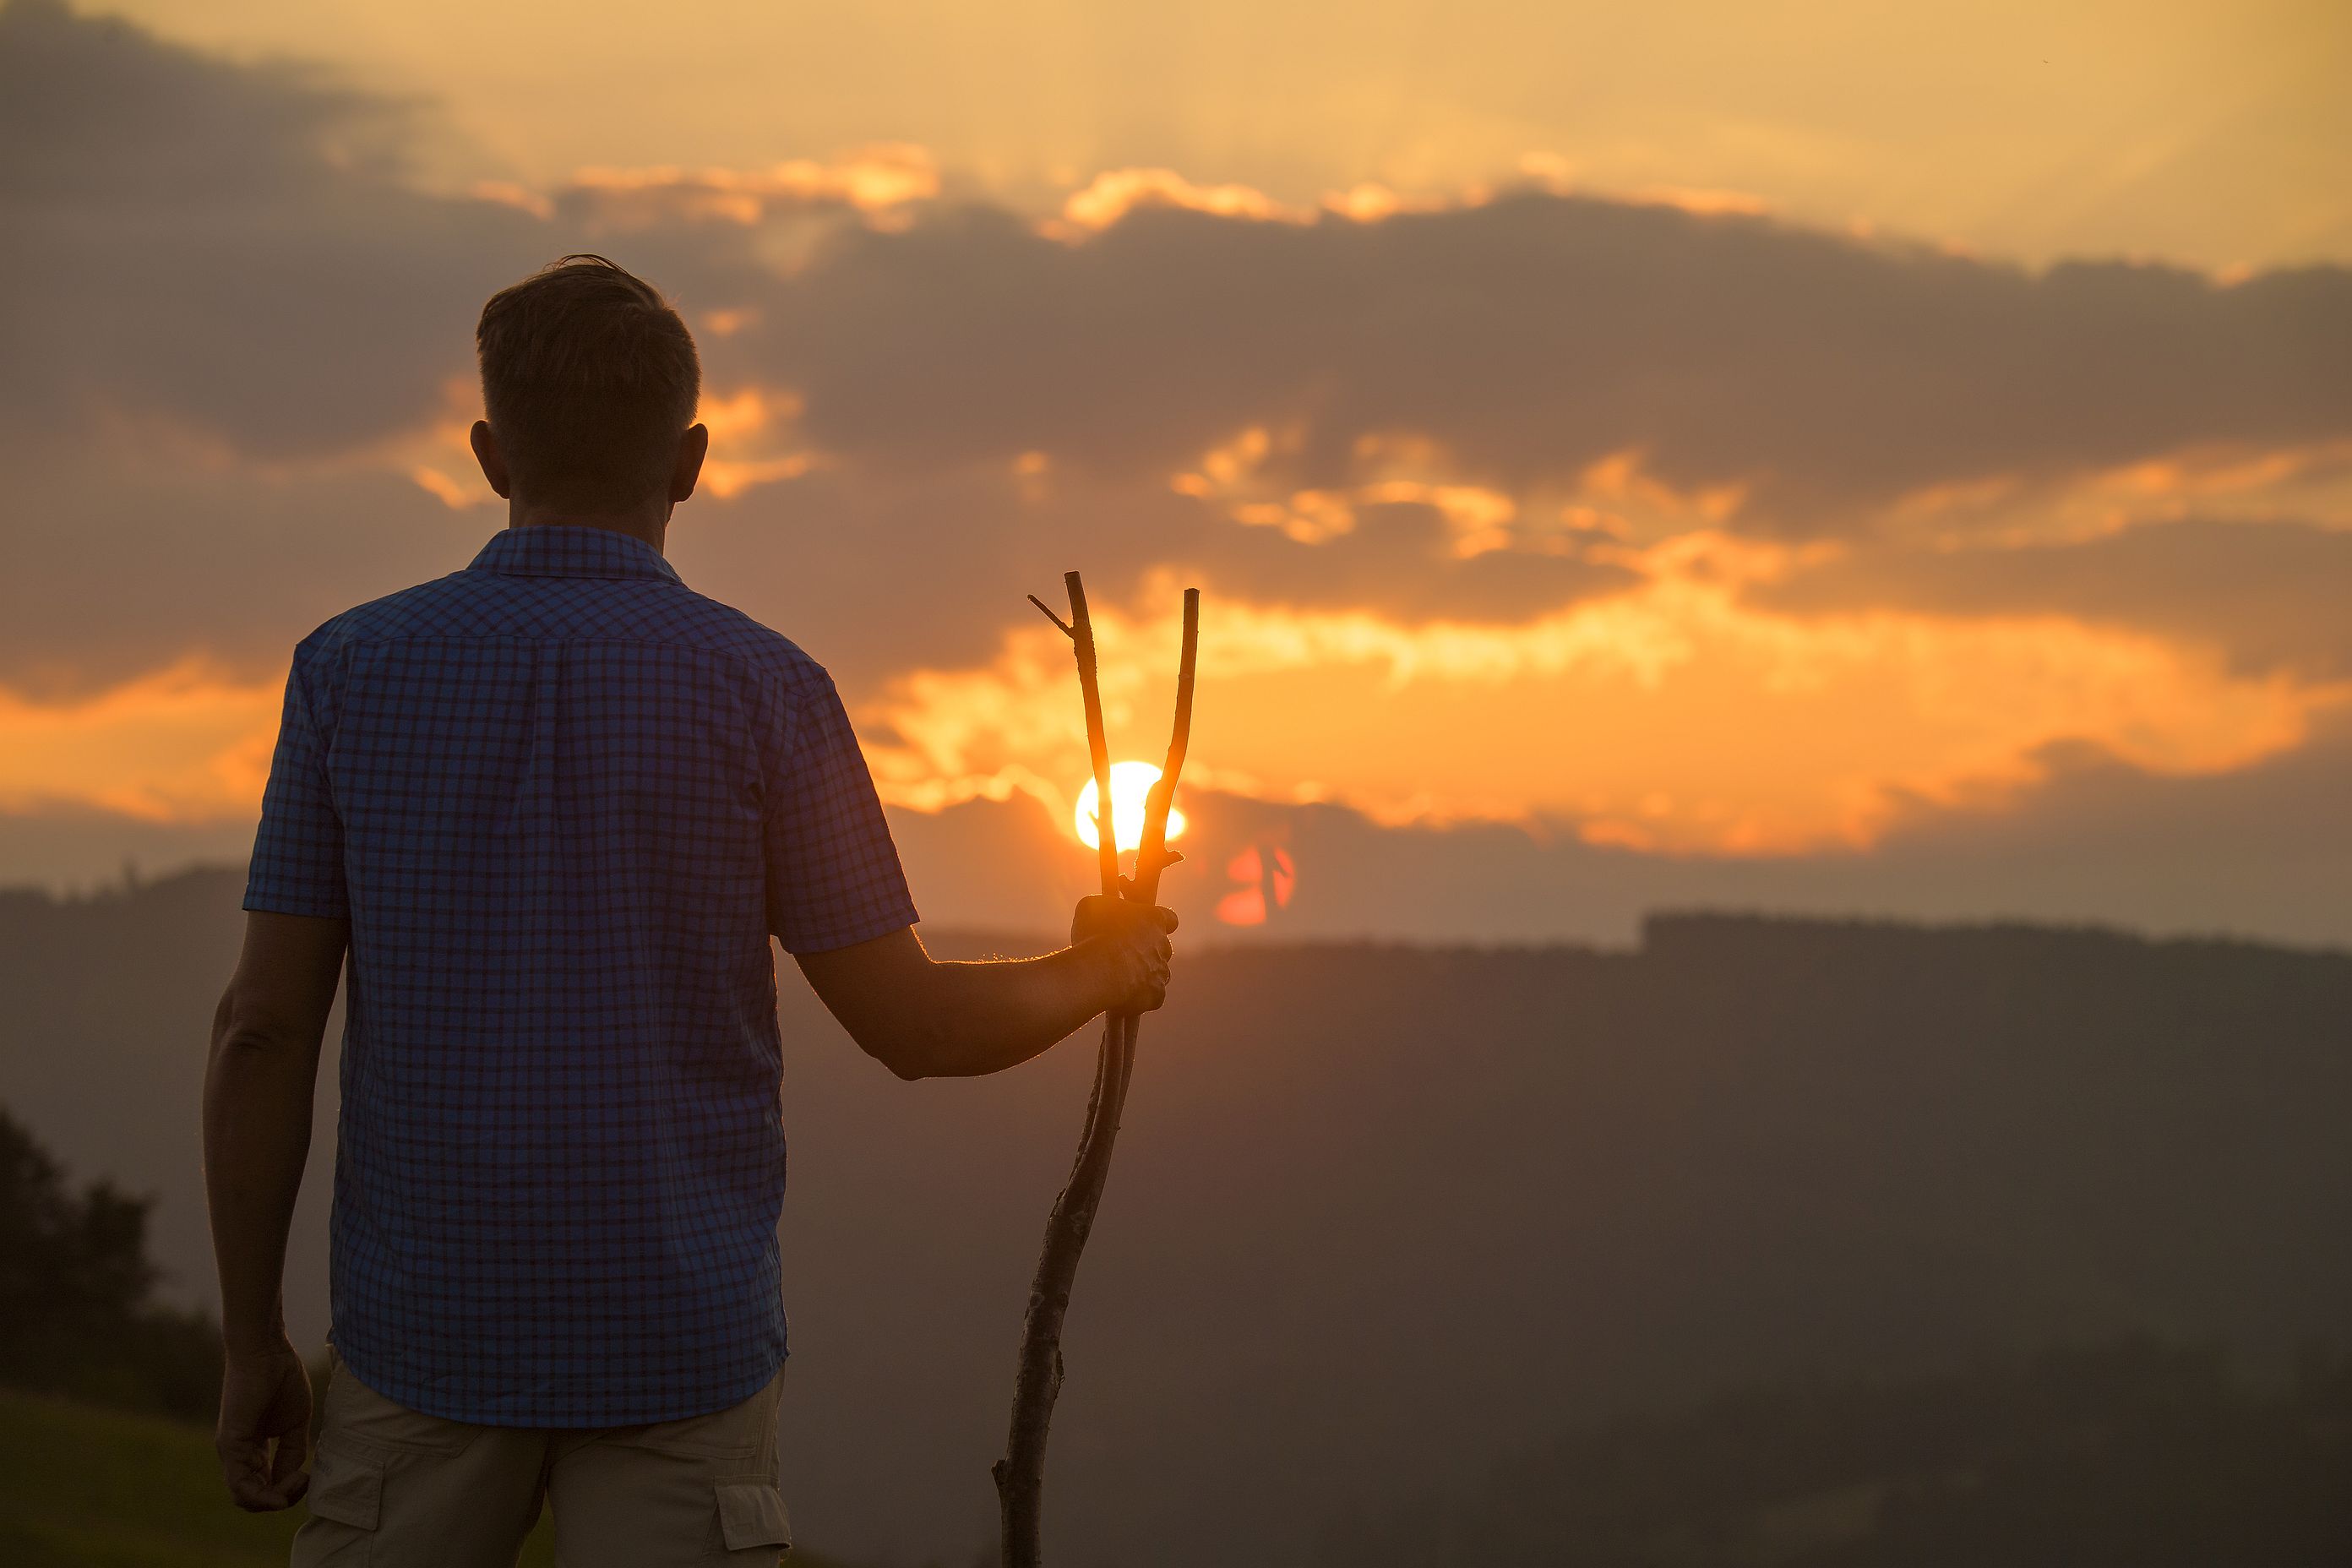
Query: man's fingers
x=236, y=1465
x=292, y=1453
x=1098, y=913
x=243, y=1464
x=1142, y=931
x=264, y=1483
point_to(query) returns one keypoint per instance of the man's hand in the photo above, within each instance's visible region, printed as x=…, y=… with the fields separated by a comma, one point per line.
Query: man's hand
x=1133, y=938
x=264, y=1436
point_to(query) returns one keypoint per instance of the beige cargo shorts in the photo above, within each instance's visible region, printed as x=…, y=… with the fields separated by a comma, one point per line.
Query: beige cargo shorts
x=392, y=1489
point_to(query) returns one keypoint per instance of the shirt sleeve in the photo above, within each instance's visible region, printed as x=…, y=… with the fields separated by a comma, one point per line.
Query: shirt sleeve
x=298, y=855
x=834, y=877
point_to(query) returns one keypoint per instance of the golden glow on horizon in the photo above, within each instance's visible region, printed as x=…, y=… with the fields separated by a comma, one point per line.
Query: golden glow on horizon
x=1130, y=789
x=1672, y=719
x=1677, y=717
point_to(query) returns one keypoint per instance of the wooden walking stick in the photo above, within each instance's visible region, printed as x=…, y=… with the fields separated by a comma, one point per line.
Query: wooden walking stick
x=1021, y=1474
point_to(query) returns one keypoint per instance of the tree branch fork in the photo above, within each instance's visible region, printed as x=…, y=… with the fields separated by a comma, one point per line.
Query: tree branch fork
x=1038, y=1383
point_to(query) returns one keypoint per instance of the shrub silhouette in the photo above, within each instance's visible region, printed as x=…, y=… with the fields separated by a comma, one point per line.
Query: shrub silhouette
x=78, y=1312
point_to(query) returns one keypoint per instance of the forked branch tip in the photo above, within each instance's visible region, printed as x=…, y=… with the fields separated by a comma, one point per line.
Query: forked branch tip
x=1067, y=630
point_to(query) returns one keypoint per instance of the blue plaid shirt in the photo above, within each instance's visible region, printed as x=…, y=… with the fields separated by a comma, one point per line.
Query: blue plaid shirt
x=563, y=801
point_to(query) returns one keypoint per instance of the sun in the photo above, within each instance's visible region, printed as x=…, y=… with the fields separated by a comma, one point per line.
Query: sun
x=1130, y=782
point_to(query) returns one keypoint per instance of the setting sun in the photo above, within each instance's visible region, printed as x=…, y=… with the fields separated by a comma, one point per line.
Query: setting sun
x=1130, y=783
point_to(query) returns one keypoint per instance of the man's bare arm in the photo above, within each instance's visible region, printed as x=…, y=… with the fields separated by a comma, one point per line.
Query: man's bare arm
x=257, y=1086
x=924, y=1018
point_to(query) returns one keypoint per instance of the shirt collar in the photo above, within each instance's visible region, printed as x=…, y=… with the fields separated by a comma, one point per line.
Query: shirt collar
x=568, y=550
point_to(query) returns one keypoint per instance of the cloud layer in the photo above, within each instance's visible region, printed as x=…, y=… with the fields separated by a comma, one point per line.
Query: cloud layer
x=1533, y=336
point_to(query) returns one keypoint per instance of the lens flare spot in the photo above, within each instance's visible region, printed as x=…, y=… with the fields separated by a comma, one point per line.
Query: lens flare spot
x=1268, y=876
x=1245, y=908
x=1130, y=786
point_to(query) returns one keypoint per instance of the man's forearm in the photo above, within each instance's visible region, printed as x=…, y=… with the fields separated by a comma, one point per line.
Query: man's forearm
x=922, y=1018
x=981, y=1017
x=256, y=1140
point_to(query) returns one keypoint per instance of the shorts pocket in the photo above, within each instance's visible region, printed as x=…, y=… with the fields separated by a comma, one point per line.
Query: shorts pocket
x=751, y=1515
x=346, y=1487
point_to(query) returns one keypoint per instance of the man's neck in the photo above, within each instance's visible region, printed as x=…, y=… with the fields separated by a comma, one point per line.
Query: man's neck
x=647, y=523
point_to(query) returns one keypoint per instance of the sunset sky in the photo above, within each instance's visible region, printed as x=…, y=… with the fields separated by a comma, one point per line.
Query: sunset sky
x=1873, y=457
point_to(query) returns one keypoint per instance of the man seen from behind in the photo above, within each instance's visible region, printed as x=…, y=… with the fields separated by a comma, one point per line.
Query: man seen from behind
x=541, y=819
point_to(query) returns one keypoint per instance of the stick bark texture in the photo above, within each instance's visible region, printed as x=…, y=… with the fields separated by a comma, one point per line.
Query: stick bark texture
x=1021, y=1474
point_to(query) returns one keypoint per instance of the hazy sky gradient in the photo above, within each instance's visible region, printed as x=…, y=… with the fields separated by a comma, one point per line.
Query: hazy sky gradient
x=2209, y=131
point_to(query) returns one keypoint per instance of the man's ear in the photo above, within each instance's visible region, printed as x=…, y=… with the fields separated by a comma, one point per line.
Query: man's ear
x=493, y=461
x=692, y=448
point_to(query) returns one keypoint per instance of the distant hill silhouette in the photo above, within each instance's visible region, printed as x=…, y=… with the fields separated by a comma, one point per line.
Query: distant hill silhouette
x=2127, y=1455
x=1384, y=1216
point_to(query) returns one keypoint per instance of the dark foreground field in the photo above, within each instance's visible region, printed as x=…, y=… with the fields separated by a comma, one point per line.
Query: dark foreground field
x=84, y=1487
x=1405, y=1244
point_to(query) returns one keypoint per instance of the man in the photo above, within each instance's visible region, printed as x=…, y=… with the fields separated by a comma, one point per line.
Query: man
x=544, y=814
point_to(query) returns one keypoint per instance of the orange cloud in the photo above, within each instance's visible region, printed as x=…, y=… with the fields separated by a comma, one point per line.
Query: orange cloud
x=506, y=193
x=2239, y=480
x=745, y=427
x=1614, y=496
x=184, y=745
x=1672, y=719
x=1113, y=193
x=870, y=180
x=452, y=493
